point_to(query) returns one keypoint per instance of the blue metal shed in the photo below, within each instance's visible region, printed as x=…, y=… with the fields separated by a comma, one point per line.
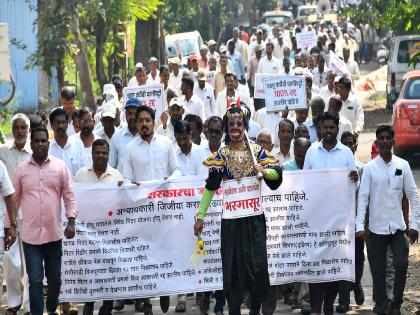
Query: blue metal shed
x=31, y=84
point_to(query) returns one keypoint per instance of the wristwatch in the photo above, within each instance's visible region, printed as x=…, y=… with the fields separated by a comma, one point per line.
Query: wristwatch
x=13, y=224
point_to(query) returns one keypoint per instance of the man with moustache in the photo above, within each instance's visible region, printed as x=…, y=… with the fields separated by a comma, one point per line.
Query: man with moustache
x=265, y=140
x=99, y=172
x=63, y=147
x=326, y=154
x=149, y=156
x=86, y=135
x=41, y=183
x=176, y=110
x=124, y=135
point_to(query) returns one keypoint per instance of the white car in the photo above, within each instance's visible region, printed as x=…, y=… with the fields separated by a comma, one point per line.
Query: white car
x=184, y=44
x=402, y=49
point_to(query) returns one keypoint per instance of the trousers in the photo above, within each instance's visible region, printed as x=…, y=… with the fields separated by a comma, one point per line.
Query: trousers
x=377, y=253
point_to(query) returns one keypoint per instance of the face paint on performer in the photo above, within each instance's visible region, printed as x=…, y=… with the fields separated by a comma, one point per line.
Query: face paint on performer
x=236, y=127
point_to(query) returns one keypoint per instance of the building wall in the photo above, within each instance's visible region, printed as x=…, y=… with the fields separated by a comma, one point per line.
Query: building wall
x=20, y=18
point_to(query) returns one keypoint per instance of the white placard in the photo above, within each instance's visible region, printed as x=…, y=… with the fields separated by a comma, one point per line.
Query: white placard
x=178, y=48
x=138, y=242
x=211, y=78
x=306, y=40
x=148, y=95
x=284, y=91
x=241, y=199
x=259, y=85
x=337, y=65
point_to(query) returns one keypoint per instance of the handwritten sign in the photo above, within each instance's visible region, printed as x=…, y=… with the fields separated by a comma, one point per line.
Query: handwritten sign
x=241, y=199
x=116, y=253
x=259, y=84
x=306, y=40
x=284, y=91
x=337, y=65
x=211, y=78
x=148, y=95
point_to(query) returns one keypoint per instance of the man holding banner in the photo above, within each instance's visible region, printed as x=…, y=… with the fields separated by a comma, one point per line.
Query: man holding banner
x=326, y=154
x=243, y=239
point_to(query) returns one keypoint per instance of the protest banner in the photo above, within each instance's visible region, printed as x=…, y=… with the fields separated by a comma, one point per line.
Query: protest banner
x=337, y=65
x=241, y=199
x=138, y=242
x=259, y=84
x=148, y=95
x=284, y=91
x=306, y=40
x=178, y=48
x=310, y=235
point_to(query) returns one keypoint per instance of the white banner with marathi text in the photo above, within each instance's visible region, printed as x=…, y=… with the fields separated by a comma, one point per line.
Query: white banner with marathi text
x=138, y=241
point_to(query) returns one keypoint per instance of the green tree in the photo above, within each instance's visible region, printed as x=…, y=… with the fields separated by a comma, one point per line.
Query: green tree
x=401, y=16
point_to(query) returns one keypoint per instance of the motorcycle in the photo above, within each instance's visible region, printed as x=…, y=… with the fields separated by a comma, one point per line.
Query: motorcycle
x=382, y=55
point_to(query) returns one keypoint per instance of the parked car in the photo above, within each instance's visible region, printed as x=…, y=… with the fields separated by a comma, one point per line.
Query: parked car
x=186, y=44
x=406, y=114
x=402, y=49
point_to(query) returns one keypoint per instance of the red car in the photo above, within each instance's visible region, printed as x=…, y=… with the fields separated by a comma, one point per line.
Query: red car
x=406, y=114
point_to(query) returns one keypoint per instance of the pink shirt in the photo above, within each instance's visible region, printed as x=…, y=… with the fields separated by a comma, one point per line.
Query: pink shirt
x=39, y=190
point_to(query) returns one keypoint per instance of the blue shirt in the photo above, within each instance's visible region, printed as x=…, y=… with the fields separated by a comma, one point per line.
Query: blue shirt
x=291, y=166
x=237, y=63
x=318, y=157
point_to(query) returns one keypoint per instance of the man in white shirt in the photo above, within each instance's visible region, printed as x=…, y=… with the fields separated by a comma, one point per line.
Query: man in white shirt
x=334, y=106
x=240, y=46
x=175, y=76
x=286, y=67
x=326, y=154
x=269, y=64
x=86, y=135
x=107, y=121
x=286, y=133
x=124, y=135
x=63, y=147
x=265, y=140
x=153, y=76
x=212, y=49
x=190, y=156
x=99, y=172
x=176, y=110
x=228, y=96
x=320, y=73
x=192, y=104
x=269, y=121
x=385, y=179
x=258, y=43
x=7, y=192
x=352, y=108
x=140, y=76
x=67, y=101
x=351, y=65
x=12, y=154
x=205, y=92
x=317, y=108
x=279, y=47
x=301, y=116
x=328, y=90
x=149, y=156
